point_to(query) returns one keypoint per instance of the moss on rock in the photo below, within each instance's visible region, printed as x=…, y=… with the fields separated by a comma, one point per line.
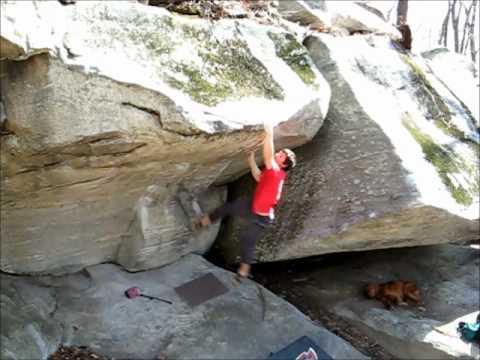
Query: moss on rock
x=148, y=32
x=446, y=162
x=228, y=70
x=295, y=55
x=188, y=57
x=434, y=103
x=197, y=86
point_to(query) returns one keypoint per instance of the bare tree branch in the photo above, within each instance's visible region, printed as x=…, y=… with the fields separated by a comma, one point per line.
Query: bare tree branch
x=473, y=50
x=444, y=31
x=455, y=19
x=466, y=26
x=389, y=13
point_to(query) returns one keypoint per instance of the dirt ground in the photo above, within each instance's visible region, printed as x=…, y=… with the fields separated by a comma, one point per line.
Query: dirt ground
x=283, y=280
x=75, y=353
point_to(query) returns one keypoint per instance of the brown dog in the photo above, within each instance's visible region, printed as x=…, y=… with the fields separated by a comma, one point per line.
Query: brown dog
x=394, y=292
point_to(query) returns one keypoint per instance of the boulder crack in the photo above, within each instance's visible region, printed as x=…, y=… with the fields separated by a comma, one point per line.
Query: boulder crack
x=156, y=114
x=55, y=306
x=152, y=112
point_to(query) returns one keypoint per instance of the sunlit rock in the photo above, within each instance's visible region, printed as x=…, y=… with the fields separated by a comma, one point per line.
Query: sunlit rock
x=396, y=163
x=459, y=75
x=125, y=98
x=42, y=28
x=337, y=16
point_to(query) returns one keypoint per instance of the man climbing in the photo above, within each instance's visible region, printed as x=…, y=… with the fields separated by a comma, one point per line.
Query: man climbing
x=259, y=211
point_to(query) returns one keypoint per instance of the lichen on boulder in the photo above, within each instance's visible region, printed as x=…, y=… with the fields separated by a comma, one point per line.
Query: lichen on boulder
x=227, y=71
x=295, y=55
x=124, y=103
x=449, y=166
x=396, y=163
x=436, y=106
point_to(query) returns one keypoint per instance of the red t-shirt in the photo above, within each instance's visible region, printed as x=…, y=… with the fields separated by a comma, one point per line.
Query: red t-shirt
x=268, y=191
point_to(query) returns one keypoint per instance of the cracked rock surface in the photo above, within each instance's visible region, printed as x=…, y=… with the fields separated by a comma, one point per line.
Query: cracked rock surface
x=94, y=150
x=92, y=310
x=395, y=163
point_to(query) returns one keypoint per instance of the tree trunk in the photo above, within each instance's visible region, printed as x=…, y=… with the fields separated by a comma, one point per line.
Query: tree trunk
x=444, y=32
x=463, y=37
x=402, y=10
x=455, y=19
x=466, y=26
x=473, y=47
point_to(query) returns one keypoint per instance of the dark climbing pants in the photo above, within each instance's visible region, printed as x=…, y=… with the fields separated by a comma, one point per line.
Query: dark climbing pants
x=254, y=229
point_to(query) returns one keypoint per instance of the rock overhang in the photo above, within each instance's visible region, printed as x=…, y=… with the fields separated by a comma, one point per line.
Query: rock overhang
x=99, y=122
x=228, y=72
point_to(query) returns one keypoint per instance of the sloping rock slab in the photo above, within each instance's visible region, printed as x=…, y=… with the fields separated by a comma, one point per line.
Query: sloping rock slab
x=124, y=103
x=459, y=74
x=449, y=281
x=93, y=311
x=396, y=163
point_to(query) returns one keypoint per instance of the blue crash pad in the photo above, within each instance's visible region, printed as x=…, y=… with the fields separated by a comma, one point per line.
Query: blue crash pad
x=300, y=345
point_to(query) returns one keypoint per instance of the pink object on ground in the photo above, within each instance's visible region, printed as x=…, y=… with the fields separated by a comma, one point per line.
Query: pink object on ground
x=308, y=355
x=133, y=292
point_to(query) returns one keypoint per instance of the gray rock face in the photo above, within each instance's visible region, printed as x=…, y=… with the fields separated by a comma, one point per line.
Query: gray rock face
x=3, y=116
x=395, y=164
x=116, y=108
x=301, y=13
x=460, y=75
x=91, y=310
x=337, y=17
x=448, y=279
x=28, y=330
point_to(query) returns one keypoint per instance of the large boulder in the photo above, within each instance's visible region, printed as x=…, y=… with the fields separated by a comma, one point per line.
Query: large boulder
x=121, y=107
x=396, y=163
x=90, y=309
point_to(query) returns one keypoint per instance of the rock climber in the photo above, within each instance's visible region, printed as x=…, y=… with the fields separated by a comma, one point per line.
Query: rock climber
x=259, y=210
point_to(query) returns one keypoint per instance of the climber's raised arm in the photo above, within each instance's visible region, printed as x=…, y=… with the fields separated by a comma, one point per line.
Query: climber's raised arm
x=268, y=147
x=253, y=166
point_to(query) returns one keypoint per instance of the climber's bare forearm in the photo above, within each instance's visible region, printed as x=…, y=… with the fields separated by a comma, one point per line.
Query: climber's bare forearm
x=253, y=166
x=268, y=146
